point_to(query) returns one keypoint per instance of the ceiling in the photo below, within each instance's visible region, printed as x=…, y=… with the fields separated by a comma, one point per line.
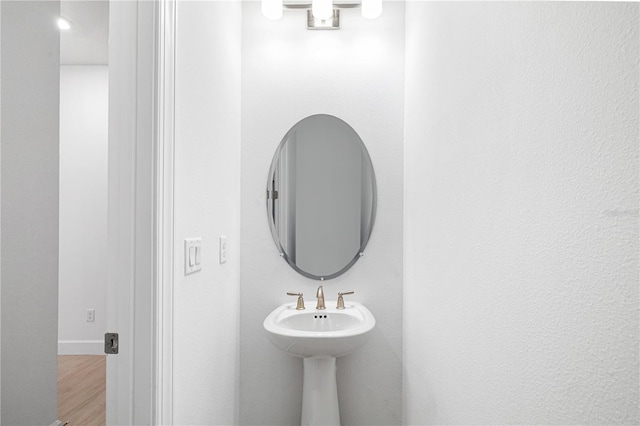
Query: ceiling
x=87, y=42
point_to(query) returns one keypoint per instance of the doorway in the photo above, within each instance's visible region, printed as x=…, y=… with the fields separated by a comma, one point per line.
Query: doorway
x=30, y=160
x=83, y=199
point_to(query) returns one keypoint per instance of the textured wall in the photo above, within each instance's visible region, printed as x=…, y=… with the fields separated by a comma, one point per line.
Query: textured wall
x=83, y=208
x=207, y=205
x=29, y=230
x=521, y=213
x=356, y=74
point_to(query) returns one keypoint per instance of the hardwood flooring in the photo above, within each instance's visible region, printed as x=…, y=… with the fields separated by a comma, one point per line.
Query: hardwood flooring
x=82, y=389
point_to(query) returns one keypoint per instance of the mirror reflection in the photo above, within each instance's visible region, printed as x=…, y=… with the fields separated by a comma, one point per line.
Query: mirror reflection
x=321, y=197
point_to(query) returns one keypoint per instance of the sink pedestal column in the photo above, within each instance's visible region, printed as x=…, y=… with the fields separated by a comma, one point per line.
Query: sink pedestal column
x=320, y=392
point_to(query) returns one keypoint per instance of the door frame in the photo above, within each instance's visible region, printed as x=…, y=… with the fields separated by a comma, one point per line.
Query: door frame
x=165, y=120
x=140, y=219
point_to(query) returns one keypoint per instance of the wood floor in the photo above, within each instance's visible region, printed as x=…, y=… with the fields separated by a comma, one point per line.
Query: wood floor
x=82, y=389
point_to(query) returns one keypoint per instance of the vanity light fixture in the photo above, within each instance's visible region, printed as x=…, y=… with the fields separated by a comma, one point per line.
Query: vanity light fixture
x=321, y=9
x=272, y=9
x=321, y=14
x=371, y=9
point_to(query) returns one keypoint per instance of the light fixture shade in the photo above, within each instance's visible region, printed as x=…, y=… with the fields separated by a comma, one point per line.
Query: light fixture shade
x=371, y=9
x=272, y=9
x=322, y=9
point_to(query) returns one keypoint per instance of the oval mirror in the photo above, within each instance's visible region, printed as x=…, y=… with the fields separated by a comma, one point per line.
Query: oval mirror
x=321, y=197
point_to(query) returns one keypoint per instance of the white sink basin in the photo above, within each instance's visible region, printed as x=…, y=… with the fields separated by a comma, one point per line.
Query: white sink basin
x=319, y=333
x=319, y=336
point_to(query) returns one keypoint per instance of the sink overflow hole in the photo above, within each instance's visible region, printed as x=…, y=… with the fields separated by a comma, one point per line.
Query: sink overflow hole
x=319, y=316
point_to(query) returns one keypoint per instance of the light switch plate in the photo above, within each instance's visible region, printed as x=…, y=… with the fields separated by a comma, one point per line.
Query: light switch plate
x=192, y=254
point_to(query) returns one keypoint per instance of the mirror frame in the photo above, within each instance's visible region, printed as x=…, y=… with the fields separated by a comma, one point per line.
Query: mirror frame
x=374, y=204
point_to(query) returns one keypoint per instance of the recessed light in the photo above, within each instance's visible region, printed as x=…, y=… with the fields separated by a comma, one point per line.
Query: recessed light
x=64, y=24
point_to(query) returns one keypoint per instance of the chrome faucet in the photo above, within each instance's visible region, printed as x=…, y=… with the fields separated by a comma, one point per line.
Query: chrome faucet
x=320, y=296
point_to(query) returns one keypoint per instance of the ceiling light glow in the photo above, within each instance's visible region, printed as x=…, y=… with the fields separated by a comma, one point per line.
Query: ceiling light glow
x=64, y=24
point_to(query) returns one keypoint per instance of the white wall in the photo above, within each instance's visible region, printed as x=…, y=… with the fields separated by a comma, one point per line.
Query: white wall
x=207, y=205
x=83, y=208
x=29, y=204
x=521, y=213
x=356, y=74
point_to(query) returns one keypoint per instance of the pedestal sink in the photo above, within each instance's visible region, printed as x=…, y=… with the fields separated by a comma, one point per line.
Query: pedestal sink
x=319, y=337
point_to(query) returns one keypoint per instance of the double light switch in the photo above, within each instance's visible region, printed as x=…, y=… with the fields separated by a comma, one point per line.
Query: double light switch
x=192, y=255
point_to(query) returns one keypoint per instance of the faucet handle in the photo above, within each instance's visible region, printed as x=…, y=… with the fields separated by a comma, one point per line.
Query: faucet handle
x=300, y=304
x=341, y=299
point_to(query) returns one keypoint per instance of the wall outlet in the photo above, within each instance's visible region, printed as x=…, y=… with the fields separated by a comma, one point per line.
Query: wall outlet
x=91, y=315
x=223, y=249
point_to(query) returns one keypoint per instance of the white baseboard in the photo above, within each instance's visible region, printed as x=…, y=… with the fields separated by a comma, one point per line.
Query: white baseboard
x=80, y=347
